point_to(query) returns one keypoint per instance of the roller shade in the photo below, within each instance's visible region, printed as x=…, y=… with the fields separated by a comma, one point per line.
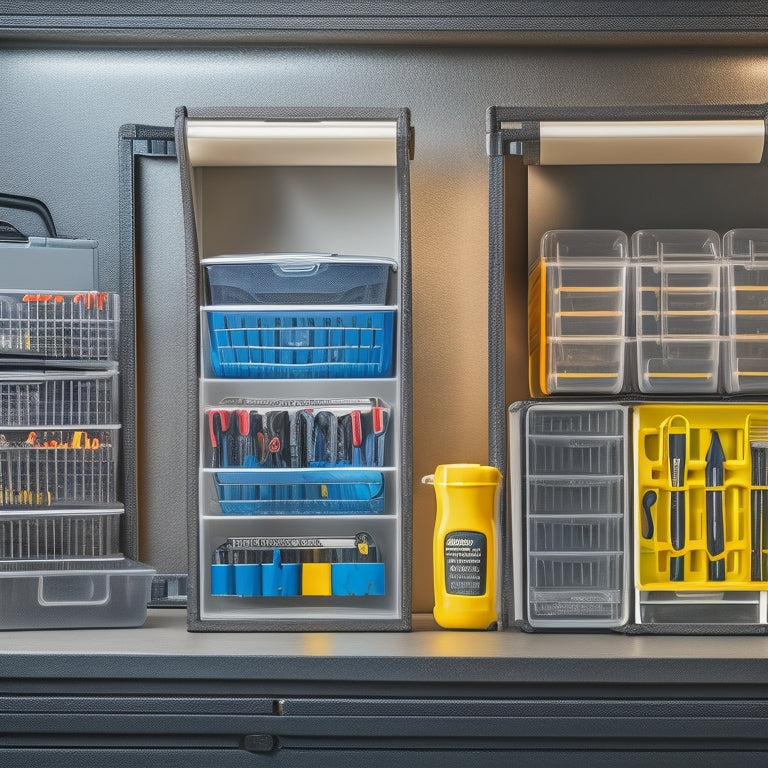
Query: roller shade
x=649, y=142
x=281, y=143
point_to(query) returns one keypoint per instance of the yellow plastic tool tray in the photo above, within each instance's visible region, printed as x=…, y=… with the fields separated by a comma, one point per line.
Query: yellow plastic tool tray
x=701, y=496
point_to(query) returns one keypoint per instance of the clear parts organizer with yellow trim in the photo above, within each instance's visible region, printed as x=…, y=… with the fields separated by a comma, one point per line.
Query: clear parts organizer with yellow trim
x=665, y=311
x=644, y=516
x=649, y=516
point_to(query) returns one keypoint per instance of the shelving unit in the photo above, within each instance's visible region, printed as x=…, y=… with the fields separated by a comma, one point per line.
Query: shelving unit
x=688, y=532
x=297, y=234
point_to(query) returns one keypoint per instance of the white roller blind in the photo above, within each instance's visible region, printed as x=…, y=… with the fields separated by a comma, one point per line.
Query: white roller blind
x=646, y=142
x=326, y=142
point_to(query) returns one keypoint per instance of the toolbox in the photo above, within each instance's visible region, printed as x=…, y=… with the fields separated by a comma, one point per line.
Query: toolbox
x=299, y=305
x=32, y=253
x=636, y=474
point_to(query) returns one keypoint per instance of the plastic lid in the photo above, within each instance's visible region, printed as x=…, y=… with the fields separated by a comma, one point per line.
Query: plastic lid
x=584, y=245
x=676, y=244
x=463, y=474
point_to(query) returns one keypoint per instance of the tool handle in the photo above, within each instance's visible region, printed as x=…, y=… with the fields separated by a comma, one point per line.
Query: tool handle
x=715, y=535
x=677, y=534
x=756, y=524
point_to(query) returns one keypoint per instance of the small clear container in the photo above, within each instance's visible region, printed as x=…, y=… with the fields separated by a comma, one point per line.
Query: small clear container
x=745, y=252
x=583, y=455
x=678, y=301
x=575, y=532
x=585, y=285
x=583, y=571
x=564, y=495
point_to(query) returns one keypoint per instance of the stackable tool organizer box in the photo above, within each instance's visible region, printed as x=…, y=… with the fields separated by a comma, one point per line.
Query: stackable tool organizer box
x=636, y=473
x=64, y=530
x=298, y=254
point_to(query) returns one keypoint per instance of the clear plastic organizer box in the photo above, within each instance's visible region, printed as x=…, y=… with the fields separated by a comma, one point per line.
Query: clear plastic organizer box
x=60, y=326
x=58, y=468
x=574, y=501
x=745, y=252
x=88, y=593
x=583, y=281
x=693, y=306
x=60, y=535
x=67, y=399
x=678, y=307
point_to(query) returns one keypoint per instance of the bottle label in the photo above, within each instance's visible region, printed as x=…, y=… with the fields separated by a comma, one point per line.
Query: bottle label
x=465, y=563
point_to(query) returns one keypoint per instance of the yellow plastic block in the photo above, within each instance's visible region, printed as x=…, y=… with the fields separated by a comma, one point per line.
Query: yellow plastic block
x=316, y=579
x=658, y=429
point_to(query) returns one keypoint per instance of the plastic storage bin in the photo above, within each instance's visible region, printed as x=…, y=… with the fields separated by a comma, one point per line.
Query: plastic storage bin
x=68, y=326
x=680, y=490
x=302, y=492
x=745, y=253
x=582, y=285
x=678, y=310
x=74, y=595
x=58, y=468
x=61, y=535
x=64, y=399
x=309, y=344
x=297, y=279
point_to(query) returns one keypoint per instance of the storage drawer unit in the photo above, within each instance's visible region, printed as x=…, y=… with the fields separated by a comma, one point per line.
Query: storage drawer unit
x=301, y=516
x=656, y=521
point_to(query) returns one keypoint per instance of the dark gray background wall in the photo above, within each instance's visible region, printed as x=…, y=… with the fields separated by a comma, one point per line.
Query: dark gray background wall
x=64, y=103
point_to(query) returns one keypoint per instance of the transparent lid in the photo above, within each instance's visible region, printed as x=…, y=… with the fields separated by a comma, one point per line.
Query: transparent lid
x=584, y=245
x=746, y=245
x=676, y=245
x=298, y=259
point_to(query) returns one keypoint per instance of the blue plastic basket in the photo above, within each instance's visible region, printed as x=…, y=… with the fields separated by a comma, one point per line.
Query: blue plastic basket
x=300, y=492
x=330, y=344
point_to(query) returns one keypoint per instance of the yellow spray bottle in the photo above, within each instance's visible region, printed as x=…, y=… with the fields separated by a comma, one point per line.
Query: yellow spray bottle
x=464, y=545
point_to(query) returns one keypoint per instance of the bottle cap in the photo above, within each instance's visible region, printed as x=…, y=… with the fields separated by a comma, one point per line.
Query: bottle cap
x=464, y=475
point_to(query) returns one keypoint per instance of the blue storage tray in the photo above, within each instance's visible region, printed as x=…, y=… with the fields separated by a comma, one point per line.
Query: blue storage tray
x=301, y=345
x=300, y=492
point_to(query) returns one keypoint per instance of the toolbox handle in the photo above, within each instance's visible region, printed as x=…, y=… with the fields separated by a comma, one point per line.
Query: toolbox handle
x=32, y=204
x=73, y=590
